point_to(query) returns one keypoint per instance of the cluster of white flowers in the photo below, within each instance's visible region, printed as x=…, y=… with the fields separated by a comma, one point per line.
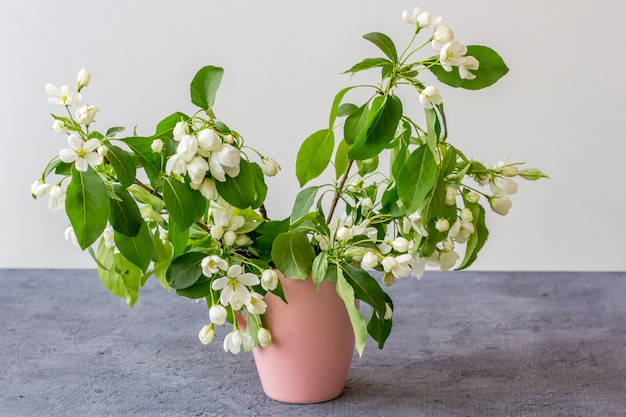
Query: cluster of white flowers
x=83, y=151
x=501, y=183
x=451, y=53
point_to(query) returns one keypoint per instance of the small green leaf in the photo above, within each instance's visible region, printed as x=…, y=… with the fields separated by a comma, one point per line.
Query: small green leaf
x=532, y=174
x=341, y=158
x=382, y=122
x=204, y=86
x=491, y=69
x=417, y=177
x=87, y=206
x=304, y=202
x=385, y=44
x=113, y=131
x=152, y=162
x=185, y=270
x=123, y=164
x=368, y=63
x=125, y=216
x=293, y=255
x=367, y=165
x=314, y=155
x=478, y=238
x=334, y=110
x=319, y=269
x=346, y=293
x=119, y=276
x=346, y=109
x=137, y=249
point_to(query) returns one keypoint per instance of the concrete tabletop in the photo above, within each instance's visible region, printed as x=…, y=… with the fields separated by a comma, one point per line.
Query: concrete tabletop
x=463, y=344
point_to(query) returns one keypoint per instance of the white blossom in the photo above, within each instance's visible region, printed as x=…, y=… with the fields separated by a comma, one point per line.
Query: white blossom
x=58, y=126
x=212, y=265
x=229, y=237
x=472, y=197
x=71, y=236
x=109, y=236
x=442, y=225
x=63, y=96
x=206, y=188
x=57, y=198
x=400, y=244
x=233, y=286
x=447, y=259
x=265, y=337
x=398, y=266
x=81, y=153
x=344, y=234
x=451, y=194
x=217, y=314
x=270, y=167
x=430, y=97
x=225, y=161
x=442, y=35
x=452, y=54
x=175, y=165
x=102, y=150
x=187, y=148
x=206, y=335
x=256, y=305
x=418, y=266
x=181, y=128
x=86, y=114
x=426, y=19
x=235, y=339
x=269, y=280
x=502, y=185
x=470, y=63
x=370, y=260
x=208, y=141
x=197, y=169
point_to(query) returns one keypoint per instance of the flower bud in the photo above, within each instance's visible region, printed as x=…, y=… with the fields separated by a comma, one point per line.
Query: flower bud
x=265, y=337
x=472, y=197
x=451, y=193
x=206, y=335
x=206, y=188
x=269, y=280
x=102, y=150
x=39, y=188
x=388, y=312
x=500, y=204
x=157, y=145
x=83, y=78
x=370, y=260
x=229, y=237
x=217, y=314
x=270, y=167
x=229, y=139
x=447, y=260
x=503, y=185
x=466, y=215
x=442, y=225
x=181, y=129
x=509, y=171
x=388, y=279
x=208, y=140
x=367, y=203
x=400, y=244
x=443, y=34
x=344, y=234
x=86, y=114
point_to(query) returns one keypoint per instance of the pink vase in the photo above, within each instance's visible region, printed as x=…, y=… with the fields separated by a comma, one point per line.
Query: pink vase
x=312, y=344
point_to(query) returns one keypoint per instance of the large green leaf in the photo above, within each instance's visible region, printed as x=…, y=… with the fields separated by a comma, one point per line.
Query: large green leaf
x=124, y=165
x=293, y=255
x=491, y=69
x=247, y=189
x=346, y=293
x=119, y=276
x=369, y=63
x=355, y=124
x=137, y=249
x=314, y=155
x=366, y=288
x=204, y=86
x=417, y=178
x=382, y=122
x=87, y=206
x=385, y=44
x=185, y=270
x=151, y=161
x=182, y=202
x=125, y=216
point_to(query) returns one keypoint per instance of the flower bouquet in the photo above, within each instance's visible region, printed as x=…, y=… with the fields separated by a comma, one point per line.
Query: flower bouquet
x=185, y=204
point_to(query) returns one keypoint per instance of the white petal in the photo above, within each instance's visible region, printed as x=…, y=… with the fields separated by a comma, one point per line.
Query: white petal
x=248, y=279
x=91, y=144
x=67, y=155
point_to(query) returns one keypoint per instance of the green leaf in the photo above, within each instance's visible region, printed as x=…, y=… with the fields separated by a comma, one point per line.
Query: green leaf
x=378, y=327
x=314, y=155
x=204, y=86
x=346, y=293
x=137, y=249
x=478, y=238
x=119, y=276
x=385, y=44
x=87, y=206
x=431, y=129
x=181, y=202
x=368, y=63
x=165, y=128
x=123, y=164
x=341, y=158
x=151, y=161
x=319, y=269
x=293, y=255
x=532, y=174
x=177, y=237
x=491, y=69
x=247, y=189
x=200, y=289
x=335, y=108
x=185, y=270
x=146, y=197
x=264, y=235
x=113, y=131
x=417, y=177
x=304, y=202
x=346, y=109
x=366, y=288
x=125, y=216
x=382, y=122
x=355, y=124
x=367, y=165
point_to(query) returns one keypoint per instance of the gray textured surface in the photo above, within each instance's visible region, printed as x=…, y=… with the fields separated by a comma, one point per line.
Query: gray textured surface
x=464, y=344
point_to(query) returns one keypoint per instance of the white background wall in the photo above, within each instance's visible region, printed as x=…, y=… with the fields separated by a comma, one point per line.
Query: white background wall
x=561, y=107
